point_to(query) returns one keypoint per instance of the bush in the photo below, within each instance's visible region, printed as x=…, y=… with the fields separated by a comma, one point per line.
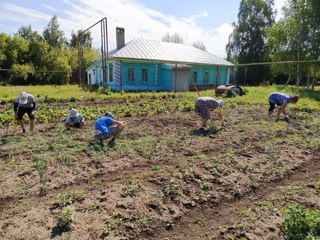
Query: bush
x=301, y=223
x=102, y=90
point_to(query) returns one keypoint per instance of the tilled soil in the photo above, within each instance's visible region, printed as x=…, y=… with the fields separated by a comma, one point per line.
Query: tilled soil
x=164, y=179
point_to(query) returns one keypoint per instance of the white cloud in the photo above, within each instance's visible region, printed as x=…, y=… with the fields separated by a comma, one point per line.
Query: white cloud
x=24, y=12
x=49, y=7
x=138, y=21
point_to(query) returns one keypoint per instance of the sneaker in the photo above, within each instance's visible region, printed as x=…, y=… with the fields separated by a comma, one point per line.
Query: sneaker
x=111, y=143
x=286, y=119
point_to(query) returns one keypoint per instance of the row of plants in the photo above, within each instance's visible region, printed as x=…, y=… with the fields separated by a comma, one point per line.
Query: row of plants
x=47, y=114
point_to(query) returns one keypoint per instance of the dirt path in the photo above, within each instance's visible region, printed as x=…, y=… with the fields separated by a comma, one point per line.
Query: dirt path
x=224, y=213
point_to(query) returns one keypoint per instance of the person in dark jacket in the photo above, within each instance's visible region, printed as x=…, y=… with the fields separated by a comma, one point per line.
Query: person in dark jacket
x=106, y=127
x=24, y=103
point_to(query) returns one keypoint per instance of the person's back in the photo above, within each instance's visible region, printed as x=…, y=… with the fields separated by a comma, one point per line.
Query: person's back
x=102, y=124
x=278, y=98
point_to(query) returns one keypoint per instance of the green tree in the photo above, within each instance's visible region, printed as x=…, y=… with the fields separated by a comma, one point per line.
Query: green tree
x=28, y=34
x=247, y=42
x=86, y=39
x=58, y=64
x=199, y=45
x=296, y=37
x=53, y=35
x=174, y=38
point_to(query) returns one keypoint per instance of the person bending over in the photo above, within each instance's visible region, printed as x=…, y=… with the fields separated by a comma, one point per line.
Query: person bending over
x=281, y=100
x=24, y=103
x=74, y=120
x=204, y=105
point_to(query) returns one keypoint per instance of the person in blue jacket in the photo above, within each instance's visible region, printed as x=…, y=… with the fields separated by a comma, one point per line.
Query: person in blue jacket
x=24, y=104
x=106, y=127
x=281, y=100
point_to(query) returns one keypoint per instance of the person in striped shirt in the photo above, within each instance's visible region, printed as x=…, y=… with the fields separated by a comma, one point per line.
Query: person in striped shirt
x=281, y=100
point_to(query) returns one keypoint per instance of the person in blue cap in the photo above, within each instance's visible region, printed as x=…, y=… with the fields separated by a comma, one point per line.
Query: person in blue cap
x=74, y=120
x=204, y=105
x=106, y=127
x=281, y=100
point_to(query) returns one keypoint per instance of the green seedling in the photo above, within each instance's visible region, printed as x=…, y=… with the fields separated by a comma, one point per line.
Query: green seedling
x=68, y=198
x=66, y=218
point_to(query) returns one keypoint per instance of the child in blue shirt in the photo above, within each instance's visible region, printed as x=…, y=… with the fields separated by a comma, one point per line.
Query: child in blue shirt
x=75, y=120
x=106, y=127
x=281, y=100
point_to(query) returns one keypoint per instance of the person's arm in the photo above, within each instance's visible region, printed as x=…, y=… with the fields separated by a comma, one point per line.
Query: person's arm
x=117, y=122
x=69, y=122
x=220, y=117
x=281, y=109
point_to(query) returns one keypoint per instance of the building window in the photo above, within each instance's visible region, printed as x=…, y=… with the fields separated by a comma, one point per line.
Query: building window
x=110, y=73
x=206, y=77
x=94, y=71
x=130, y=75
x=194, y=77
x=144, y=75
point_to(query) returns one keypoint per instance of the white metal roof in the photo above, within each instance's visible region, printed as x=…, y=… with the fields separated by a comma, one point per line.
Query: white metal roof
x=148, y=50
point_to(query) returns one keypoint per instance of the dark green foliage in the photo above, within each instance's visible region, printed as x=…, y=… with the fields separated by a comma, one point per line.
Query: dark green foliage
x=247, y=41
x=301, y=223
x=35, y=59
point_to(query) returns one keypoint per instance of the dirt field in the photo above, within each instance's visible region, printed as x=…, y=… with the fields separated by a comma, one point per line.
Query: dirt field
x=164, y=179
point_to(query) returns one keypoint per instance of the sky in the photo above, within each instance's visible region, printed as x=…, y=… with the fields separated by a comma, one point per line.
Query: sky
x=207, y=21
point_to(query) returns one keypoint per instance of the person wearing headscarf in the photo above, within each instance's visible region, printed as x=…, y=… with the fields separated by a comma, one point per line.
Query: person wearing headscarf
x=204, y=105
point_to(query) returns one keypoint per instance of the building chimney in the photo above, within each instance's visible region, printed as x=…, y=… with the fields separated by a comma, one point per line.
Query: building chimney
x=120, y=37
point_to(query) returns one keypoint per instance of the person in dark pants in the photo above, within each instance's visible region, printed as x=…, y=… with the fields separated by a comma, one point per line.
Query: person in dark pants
x=281, y=100
x=24, y=103
x=75, y=120
x=106, y=127
x=204, y=105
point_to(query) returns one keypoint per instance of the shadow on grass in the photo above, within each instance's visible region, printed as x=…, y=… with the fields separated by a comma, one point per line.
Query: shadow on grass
x=205, y=132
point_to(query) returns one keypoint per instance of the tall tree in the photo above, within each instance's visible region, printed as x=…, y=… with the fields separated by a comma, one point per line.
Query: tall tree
x=296, y=37
x=28, y=34
x=53, y=35
x=174, y=38
x=247, y=42
x=199, y=45
x=86, y=39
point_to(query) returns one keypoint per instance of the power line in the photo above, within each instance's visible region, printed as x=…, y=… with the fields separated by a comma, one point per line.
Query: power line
x=31, y=71
x=281, y=62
